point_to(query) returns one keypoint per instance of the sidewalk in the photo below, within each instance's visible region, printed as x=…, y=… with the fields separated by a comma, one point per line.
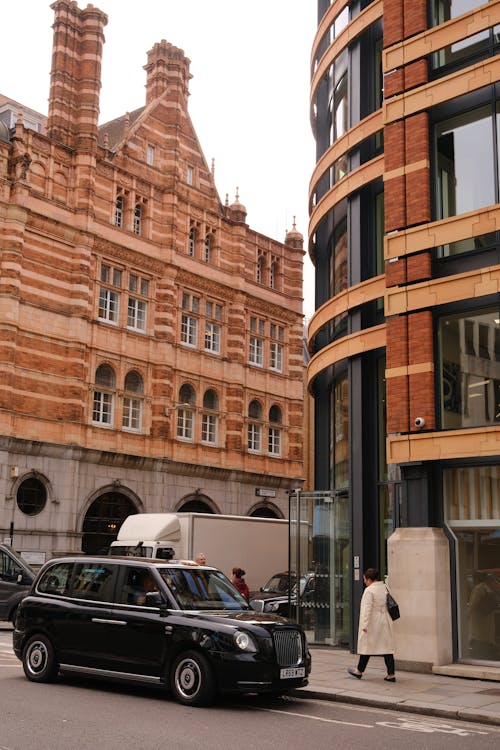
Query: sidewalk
x=430, y=694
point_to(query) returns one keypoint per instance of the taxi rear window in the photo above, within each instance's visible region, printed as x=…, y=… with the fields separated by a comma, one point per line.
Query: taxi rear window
x=94, y=581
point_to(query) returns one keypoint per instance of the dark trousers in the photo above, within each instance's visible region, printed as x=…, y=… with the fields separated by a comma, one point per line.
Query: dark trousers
x=388, y=658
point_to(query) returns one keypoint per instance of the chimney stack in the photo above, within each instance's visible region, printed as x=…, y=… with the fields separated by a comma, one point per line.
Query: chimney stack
x=167, y=70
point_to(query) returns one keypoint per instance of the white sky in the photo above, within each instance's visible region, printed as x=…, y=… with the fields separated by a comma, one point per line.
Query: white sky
x=249, y=99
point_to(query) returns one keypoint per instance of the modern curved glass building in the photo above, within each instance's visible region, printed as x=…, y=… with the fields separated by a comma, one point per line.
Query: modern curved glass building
x=405, y=341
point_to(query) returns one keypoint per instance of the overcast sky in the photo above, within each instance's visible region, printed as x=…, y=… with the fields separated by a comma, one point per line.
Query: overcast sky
x=249, y=99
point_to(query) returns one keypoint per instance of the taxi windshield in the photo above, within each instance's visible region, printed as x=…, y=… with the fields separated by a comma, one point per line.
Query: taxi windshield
x=195, y=588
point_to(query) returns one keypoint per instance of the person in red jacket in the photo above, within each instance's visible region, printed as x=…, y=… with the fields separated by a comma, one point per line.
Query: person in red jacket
x=238, y=581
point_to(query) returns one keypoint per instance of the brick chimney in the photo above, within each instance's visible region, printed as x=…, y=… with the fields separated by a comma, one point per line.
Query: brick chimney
x=167, y=70
x=75, y=78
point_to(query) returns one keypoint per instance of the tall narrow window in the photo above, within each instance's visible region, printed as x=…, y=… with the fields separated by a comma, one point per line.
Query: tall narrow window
x=189, y=175
x=132, y=403
x=192, y=242
x=105, y=382
x=137, y=308
x=273, y=274
x=185, y=413
x=209, y=418
x=150, y=156
x=254, y=432
x=256, y=342
x=137, y=218
x=260, y=269
x=274, y=436
x=276, y=348
x=208, y=249
x=119, y=211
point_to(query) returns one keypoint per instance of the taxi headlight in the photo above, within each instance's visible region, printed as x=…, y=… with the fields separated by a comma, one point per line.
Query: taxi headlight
x=244, y=641
x=272, y=607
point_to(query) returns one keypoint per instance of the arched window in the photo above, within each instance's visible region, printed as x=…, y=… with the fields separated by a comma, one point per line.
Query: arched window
x=274, y=435
x=191, y=242
x=119, y=211
x=102, y=412
x=185, y=412
x=254, y=440
x=137, y=218
x=209, y=422
x=208, y=249
x=132, y=405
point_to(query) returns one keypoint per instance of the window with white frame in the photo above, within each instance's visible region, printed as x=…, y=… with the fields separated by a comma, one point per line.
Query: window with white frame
x=189, y=329
x=254, y=430
x=185, y=413
x=132, y=402
x=103, y=402
x=137, y=308
x=276, y=347
x=213, y=313
x=150, y=155
x=119, y=206
x=209, y=420
x=256, y=342
x=108, y=305
x=189, y=175
x=274, y=434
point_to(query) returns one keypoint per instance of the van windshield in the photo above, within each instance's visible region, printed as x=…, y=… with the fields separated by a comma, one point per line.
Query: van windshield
x=202, y=589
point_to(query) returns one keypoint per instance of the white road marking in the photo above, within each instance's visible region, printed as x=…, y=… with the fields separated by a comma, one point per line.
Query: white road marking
x=315, y=718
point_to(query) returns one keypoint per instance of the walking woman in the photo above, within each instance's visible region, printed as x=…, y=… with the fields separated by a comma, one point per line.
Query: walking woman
x=375, y=637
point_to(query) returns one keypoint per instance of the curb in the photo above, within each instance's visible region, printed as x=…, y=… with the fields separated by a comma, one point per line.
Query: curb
x=422, y=710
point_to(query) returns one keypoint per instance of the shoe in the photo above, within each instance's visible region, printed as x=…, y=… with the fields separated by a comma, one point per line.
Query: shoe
x=390, y=679
x=355, y=674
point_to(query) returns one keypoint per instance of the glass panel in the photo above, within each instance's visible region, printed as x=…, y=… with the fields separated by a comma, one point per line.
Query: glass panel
x=470, y=369
x=465, y=170
x=319, y=545
x=472, y=507
x=340, y=446
x=444, y=10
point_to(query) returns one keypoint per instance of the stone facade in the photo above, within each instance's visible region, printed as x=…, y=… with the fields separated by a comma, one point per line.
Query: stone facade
x=150, y=341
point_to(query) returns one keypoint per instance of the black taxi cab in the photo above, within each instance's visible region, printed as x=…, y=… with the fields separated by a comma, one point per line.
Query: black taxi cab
x=174, y=624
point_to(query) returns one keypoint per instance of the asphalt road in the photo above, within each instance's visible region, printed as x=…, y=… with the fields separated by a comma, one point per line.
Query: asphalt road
x=74, y=713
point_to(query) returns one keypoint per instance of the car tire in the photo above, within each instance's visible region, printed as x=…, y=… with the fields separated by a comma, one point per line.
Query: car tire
x=192, y=680
x=39, y=660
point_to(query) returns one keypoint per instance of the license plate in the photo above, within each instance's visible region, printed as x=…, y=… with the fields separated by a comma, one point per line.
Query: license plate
x=286, y=674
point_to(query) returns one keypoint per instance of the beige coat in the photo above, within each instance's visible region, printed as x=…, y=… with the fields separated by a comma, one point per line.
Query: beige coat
x=375, y=619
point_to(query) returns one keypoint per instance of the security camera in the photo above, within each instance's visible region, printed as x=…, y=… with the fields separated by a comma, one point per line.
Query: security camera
x=419, y=422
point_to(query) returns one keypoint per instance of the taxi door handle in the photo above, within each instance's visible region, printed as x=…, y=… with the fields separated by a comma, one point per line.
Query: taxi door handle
x=108, y=622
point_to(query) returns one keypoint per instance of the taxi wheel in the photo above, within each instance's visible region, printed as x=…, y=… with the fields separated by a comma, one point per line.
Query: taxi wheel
x=192, y=680
x=39, y=661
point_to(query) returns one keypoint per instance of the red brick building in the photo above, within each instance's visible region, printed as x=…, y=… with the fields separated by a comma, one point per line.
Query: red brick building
x=151, y=342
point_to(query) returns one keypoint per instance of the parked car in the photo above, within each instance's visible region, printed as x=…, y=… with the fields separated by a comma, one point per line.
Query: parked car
x=275, y=597
x=16, y=578
x=174, y=624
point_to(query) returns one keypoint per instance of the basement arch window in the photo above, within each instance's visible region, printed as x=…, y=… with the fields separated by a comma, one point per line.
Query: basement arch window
x=31, y=496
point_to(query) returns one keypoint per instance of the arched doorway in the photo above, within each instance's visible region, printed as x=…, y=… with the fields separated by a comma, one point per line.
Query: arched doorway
x=103, y=519
x=195, y=506
x=265, y=510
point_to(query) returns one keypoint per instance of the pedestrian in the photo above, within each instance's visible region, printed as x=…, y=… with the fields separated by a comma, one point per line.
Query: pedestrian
x=200, y=559
x=240, y=583
x=375, y=636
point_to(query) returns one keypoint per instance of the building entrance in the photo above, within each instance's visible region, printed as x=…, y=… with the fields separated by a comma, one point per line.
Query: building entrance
x=319, y=565
x=102, y=521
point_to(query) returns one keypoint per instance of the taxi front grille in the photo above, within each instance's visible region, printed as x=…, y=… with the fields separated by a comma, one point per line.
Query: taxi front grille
x=288, y=647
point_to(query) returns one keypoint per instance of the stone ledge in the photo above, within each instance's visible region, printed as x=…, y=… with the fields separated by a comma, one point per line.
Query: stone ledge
x=470, y=671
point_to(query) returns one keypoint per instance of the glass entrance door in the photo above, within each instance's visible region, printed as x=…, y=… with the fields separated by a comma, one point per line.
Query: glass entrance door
x=319, y=556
